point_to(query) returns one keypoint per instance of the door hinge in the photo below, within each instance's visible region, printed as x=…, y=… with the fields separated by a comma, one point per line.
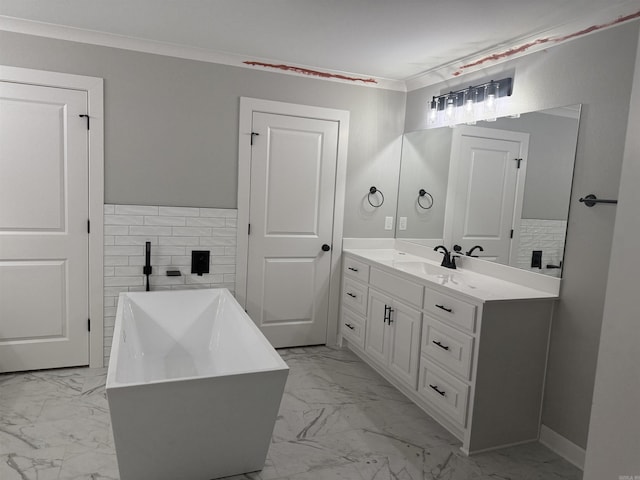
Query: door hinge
x=88, y=324
x=254, y=134
x=249, y=230
x=88, y=226
x=511, y=234
x=87, y=117
x=519, y=160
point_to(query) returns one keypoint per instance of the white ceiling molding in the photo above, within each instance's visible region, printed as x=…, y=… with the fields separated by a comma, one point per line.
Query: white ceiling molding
x=79, y=35
x=582, y=23
x=608, y=18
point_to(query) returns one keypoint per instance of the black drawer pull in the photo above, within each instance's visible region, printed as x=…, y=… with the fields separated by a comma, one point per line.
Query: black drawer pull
x=352, y=269
x=444, y=347
x=352, y=295
x=441, y=392
x=348, y=325
x=442, y=307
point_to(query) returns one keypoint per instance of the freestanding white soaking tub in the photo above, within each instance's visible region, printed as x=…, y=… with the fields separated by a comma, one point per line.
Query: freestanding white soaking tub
x=193, y=386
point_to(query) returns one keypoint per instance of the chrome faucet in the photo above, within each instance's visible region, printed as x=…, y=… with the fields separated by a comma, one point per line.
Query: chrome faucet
x=448, y=261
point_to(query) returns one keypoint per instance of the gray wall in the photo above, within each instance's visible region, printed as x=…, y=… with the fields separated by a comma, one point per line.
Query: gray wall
x=596, y=71
x=614, y=433
x=171, y=125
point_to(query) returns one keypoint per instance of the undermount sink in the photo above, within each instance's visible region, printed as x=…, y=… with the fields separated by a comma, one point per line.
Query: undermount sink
x=422, y=268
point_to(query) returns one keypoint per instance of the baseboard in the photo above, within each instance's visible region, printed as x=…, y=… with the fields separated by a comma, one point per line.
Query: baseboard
x=497, y=447
x=563, y=447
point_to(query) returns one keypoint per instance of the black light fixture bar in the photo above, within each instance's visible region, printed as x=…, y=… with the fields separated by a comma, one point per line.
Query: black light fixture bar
x=505, y=89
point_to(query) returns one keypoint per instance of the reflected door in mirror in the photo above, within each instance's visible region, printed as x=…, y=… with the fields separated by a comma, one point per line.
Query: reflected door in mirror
x=485, y=193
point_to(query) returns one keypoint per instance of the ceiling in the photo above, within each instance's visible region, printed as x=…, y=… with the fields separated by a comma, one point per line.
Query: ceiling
x=386, y=39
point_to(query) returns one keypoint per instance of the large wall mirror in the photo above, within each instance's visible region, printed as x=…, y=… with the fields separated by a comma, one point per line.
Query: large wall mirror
x=503, y=185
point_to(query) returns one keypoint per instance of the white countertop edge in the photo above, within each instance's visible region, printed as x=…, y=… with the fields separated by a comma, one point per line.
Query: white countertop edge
x=537, y=281
x=494, y=289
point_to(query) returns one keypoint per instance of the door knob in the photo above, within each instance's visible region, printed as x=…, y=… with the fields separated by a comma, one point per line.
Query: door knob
x=326, y=248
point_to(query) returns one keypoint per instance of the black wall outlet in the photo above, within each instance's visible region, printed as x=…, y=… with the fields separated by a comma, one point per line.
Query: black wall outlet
x=200, y=261
x=536, y=259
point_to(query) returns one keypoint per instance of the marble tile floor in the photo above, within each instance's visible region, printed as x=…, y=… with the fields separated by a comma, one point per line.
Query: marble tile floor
x=338, y=420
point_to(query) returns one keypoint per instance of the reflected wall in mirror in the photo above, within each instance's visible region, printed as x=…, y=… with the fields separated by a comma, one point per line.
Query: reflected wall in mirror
x=503, y=185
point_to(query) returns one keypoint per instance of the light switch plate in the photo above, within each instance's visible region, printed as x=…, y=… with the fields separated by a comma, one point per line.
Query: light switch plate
x=388, y=223
x=403, y=223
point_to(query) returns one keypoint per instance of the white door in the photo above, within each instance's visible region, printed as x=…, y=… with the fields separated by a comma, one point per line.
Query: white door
x=293, y=168
x=43, y=228
x=484, y=202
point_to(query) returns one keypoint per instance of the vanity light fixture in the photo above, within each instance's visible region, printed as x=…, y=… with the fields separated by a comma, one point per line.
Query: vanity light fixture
x=479, y=102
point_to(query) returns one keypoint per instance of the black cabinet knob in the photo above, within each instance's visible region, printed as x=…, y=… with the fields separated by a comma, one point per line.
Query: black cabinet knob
x=326, y=248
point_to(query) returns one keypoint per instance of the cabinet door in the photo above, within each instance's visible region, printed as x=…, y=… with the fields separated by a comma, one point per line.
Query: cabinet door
x=404, y=349
x=377, y=333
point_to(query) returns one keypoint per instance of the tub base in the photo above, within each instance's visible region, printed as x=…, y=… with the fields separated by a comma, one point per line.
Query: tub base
x=195, y=429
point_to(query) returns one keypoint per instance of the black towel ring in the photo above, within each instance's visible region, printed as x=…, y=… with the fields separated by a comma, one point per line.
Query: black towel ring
x=423, y=193
x=373, y=191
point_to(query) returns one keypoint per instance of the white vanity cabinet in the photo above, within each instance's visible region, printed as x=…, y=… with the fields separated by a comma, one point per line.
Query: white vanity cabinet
x=476, y=365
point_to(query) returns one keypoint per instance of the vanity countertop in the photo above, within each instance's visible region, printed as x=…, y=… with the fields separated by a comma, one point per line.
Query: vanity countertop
x=471, y=284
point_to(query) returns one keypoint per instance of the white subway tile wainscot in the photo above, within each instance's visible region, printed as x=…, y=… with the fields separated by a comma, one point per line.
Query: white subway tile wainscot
x=174, y=232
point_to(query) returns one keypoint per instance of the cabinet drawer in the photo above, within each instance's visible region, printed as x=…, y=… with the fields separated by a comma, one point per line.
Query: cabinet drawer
x=445, y=392
x=396, y=286
x=352, y=327
x=354, y=295
x=356, y=269
x=449, y=347
x=452, y=310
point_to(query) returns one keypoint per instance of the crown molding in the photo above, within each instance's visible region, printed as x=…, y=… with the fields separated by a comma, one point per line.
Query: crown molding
x=514, y=49
x=526, y=45
x=72, y=34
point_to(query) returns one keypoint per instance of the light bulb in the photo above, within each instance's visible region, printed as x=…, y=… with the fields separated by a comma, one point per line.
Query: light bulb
x=469, y=99
x=432, y=118
x=450, y=108
x=491, y=101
